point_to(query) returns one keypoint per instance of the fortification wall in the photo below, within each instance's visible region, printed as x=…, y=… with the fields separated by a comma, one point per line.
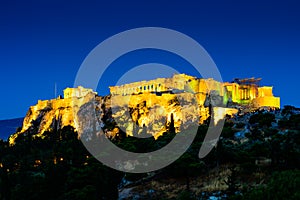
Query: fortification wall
x=266, y=101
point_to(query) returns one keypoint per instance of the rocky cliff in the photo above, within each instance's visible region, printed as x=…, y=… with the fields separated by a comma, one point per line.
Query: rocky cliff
x=51, y=115
x=133, y=114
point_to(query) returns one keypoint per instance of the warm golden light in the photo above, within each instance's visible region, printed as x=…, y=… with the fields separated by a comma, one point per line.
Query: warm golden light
x=151, y=104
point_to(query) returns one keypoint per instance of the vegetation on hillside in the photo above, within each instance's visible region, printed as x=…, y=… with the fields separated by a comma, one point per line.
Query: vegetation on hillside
x=262, y=165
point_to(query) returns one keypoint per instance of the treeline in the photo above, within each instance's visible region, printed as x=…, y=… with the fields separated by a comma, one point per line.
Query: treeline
x=57, y=165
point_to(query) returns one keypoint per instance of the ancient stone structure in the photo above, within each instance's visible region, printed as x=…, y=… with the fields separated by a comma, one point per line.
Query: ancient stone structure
x=77, y=92
x=240, y=91
x=150, y=105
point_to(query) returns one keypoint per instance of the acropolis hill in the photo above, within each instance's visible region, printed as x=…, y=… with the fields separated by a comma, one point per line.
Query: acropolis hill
x=152, y=104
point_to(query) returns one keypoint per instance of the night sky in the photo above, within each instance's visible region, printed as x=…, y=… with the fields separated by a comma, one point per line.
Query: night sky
x=45, y=42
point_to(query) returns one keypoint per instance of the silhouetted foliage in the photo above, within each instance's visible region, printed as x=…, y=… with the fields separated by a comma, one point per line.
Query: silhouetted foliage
x=57, y=165
x=291, y=123
x=263, y=119
x=54, y=167
x=282, y=185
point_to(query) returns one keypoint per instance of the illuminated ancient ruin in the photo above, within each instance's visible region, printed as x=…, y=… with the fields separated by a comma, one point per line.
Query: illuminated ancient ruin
x=77, y=92
x=151, y=104
x=240, y=91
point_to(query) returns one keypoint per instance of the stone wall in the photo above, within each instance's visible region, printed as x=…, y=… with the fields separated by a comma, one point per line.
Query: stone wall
x=233, y=92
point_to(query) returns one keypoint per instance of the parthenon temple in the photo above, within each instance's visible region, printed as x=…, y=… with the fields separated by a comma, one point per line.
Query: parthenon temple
x=240, y=91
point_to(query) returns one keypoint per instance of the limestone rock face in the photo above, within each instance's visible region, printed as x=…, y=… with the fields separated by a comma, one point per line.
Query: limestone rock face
x=51, y=115
x=135, y=113
x=141, y=115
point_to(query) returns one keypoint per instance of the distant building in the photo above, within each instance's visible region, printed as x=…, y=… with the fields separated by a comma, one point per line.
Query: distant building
x=77, y=92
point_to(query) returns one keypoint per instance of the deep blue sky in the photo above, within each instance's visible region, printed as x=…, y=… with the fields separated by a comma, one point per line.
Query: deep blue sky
x=43, y=42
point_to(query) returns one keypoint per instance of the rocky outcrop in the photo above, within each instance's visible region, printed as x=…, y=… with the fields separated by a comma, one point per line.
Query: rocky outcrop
x=135, y=115
x=51, y=115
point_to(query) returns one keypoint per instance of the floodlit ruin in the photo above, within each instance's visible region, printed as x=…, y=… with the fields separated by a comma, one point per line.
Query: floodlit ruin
x=241, y=91
x=149, y=105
